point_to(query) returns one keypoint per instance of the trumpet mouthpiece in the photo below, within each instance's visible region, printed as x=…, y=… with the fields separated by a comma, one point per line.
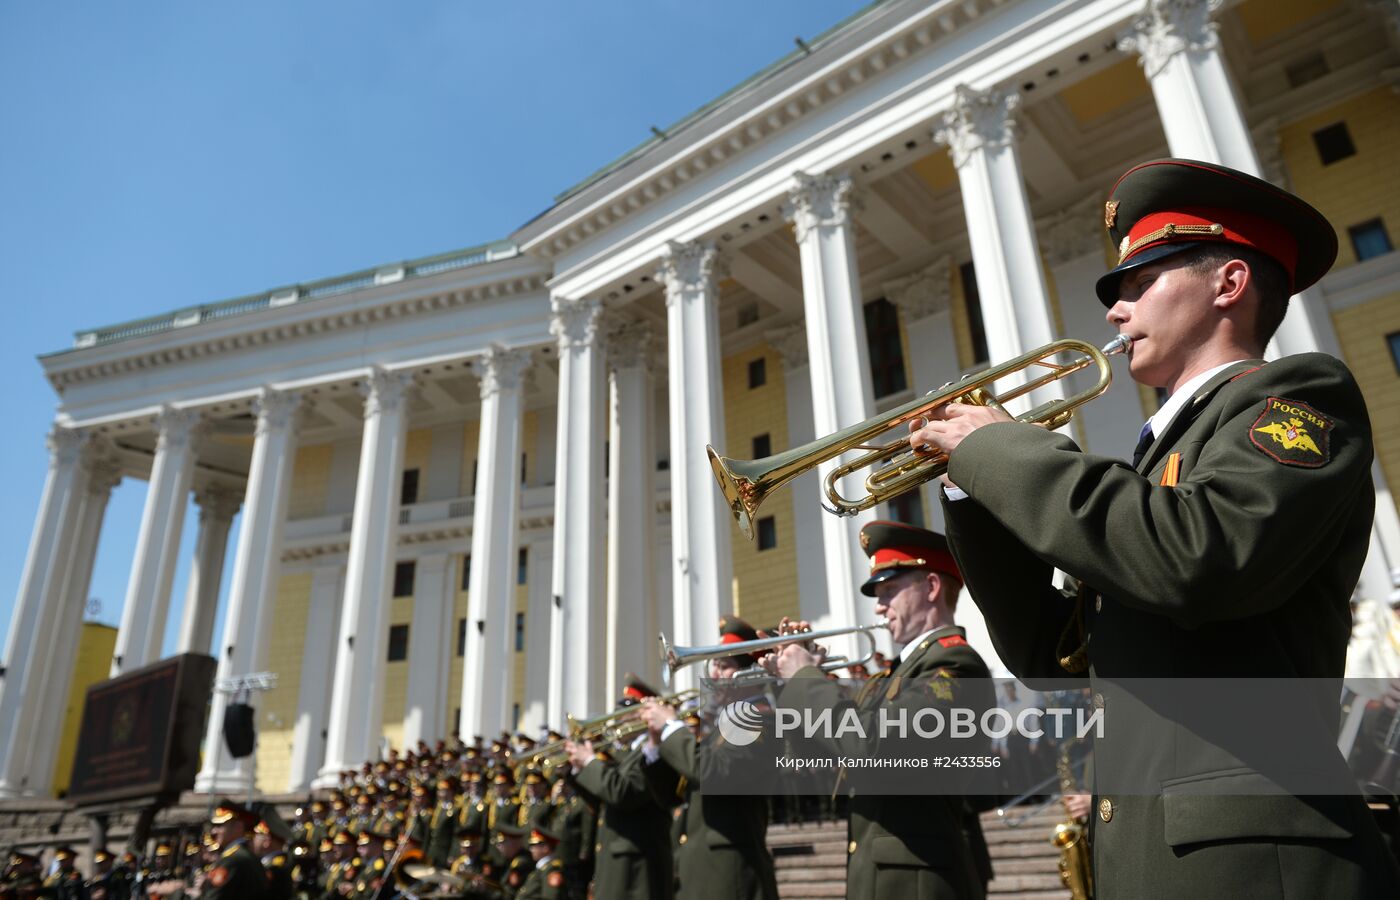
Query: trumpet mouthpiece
x=1120, y=344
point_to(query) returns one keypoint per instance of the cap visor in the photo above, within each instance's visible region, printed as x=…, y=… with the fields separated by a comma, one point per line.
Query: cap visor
x=1107, y=286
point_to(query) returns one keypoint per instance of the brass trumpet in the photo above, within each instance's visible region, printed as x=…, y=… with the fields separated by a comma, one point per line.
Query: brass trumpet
x=619, y=723
x=674, y=658
x=747, y=483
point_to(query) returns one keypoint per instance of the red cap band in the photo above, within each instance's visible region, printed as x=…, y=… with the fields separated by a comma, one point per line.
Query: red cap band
x=1232, y=226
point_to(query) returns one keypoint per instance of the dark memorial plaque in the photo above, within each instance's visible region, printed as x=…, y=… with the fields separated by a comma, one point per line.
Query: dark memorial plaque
x=141, y=732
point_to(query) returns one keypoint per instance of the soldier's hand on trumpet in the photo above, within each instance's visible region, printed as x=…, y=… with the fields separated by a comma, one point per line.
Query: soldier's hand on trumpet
x=789, y=658
x=580, y=754
x=656, y=715
x=946, y=426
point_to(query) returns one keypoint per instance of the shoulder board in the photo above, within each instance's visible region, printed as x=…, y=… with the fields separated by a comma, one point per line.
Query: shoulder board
x=952, y=640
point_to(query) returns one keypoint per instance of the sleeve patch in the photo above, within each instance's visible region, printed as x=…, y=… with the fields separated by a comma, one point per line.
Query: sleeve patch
x=1292, y=433
x=219, y=876
x=555, y=879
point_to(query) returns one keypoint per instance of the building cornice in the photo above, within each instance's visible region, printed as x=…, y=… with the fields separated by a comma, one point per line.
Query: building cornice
x=295, y=320
x=861, y=50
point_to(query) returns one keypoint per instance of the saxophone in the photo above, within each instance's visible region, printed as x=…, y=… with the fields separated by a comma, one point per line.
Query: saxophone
x=1072, y=838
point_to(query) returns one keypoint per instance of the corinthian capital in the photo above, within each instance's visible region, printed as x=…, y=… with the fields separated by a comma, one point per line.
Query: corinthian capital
x=177, y=427
x=922, y=293
x=629, y=345
x=1168, y=27
x=500, y=369
x=574, y=323
x=791, y=343
x=1072, y=232
x=385, y=391
x=217, y=503
x=65, y=445
x=978, y=119
x=815, y=200
x=276, y=409
x=693, y=267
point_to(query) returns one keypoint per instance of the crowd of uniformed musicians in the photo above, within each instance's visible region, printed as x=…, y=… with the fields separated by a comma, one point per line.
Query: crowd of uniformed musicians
x=614, y=810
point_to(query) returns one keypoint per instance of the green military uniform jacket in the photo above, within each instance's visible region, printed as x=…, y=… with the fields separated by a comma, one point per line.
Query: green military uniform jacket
x=545, y=882
x=441, y=828
x=633, y=851
x=905, y=846
x=278, y=867
x=720, y=841
x=1232, y=550
x=236, y=875
x=516, y=871
x=371, y=876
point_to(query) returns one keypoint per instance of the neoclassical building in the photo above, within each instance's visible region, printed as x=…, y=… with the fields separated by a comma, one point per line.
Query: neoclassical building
x=472, y=488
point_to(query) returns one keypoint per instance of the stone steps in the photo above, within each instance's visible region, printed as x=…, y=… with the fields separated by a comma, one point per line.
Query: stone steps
x=810, y=859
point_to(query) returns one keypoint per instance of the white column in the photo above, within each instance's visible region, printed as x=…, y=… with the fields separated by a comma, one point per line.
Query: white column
x=317, y=664
x=103, y=474
x=539, y=611
x=157, y=542
x=576, y=630
x=357, y=693
x=980, y=133
x=632, y=597
x=839, y=362
x=1074, y=251
x=487, y=673
x=217, y=507
x=701, y=524
x=807, y=514
x=923, y=299
x=1196, y=98
x=33, y=624
x=429, y=637
x=256, y=568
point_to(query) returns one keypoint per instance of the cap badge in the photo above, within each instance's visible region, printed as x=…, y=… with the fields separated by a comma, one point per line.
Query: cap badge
x=1110, y=213
x=864, y=540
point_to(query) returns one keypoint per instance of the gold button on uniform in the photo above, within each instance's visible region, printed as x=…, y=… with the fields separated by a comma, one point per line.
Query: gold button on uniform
x=1106, y=809
x=683, y=840
x=851, y=848
x=598, y=848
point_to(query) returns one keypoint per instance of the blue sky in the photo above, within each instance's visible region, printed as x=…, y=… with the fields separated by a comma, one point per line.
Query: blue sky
x=160, y=155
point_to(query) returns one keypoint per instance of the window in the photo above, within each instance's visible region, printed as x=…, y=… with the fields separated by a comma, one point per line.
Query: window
x=524, y=466
x=398, y=643
x=767, y=533
x=515, y=717
x=908, y=508
x=461, y=637
x=403, y=579
x=519, y=632
x=762, y=446
x=758, y=372
x=467, y=572
x=522, y=566
x=886, y=350
x=1333, y=143
x=474, y=462
x=1393, y=339
x=747, y=314
x=1369, y=239
x=408, y=490
x=972, y=303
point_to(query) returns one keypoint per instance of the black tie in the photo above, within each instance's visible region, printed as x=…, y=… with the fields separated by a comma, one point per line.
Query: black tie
x=1144, y=441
